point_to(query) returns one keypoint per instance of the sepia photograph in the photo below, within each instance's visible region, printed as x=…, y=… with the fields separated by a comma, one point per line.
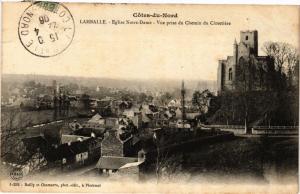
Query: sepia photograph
x=149, y=98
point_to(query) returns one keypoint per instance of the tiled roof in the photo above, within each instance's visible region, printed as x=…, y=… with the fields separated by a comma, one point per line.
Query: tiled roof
x=72, y=138
x=114, y=163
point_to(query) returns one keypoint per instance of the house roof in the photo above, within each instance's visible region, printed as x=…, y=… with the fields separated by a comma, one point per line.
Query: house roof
x=192, y=115
x=135, y=140
x=72, y=138
x=127, y=139
x=87, y=131
x=114, y=163
x=145, y=118
x=95, y=118
x=146, y=109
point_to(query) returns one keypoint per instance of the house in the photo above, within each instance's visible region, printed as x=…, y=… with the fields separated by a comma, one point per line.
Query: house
x=178, y=113
x=117, y=152
x=115, y=144
x=68, y=151
x=75, y=151
x=130, y=113
x=149, y=115
x=111, y=122
x=95, y=122
x=135, y=115
x=137, y=120
x=128, y=167
x=174, y=103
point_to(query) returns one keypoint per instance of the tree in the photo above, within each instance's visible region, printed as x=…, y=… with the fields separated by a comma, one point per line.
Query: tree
x=244, y=86
x=142, y=97
x=13, y=127
x=30, y=84
x=262, y=94
x=292, y=66
x=279, y=51
x=165, y=163
x=86, y=101
x=201, y=100
x=150, y=98
x=165, y=98
x=126, y=96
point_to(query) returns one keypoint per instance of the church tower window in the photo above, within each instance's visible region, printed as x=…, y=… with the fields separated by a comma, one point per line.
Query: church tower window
x=230, y=74
x=246, y=37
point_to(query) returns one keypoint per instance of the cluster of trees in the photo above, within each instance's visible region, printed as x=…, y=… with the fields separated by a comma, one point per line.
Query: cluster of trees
x=265, y=93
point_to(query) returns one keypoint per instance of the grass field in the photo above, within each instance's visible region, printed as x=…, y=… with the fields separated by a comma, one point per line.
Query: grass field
x=244, y=159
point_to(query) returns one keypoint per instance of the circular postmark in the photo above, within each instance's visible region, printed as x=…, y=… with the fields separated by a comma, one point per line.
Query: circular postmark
x=16, y=174
x=46, y=28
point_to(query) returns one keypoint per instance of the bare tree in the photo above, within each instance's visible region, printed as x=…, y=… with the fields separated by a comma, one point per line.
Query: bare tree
x=292, y=57
x=9, y=131
x=292, y=65
x=164, y=163
x=12, y=133
x=280, y=52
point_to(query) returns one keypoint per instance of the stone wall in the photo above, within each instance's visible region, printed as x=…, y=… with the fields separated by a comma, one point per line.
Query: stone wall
x=111, y=145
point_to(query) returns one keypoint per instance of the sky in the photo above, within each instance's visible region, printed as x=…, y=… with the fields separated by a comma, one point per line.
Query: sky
x=148, y=51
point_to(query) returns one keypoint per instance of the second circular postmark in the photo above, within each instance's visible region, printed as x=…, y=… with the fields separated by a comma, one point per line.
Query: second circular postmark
x=46, y=28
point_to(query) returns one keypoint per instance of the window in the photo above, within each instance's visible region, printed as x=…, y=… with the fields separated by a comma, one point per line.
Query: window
x=246, y=37
x=230, y=74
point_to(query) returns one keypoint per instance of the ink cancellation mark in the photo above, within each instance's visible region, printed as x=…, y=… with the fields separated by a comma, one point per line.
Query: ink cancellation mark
x=46, y=29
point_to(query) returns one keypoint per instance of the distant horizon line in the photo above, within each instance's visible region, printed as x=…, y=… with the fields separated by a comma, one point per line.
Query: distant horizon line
x=120, y=78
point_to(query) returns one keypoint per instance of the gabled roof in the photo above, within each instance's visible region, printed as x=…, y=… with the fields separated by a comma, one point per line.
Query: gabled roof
x=115, y=163
x=123, y=121
x=178, y=113
x=135, y=140
x=95, y=118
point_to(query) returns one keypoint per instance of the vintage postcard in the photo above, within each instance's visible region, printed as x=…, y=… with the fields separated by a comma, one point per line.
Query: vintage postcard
x=149, y=98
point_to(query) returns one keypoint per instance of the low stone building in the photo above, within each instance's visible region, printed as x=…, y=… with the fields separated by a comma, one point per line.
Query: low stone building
x=128, y=167
x=68, y=151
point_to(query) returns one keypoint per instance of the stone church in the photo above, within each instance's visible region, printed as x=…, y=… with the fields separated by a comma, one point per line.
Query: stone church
x=228, y=68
